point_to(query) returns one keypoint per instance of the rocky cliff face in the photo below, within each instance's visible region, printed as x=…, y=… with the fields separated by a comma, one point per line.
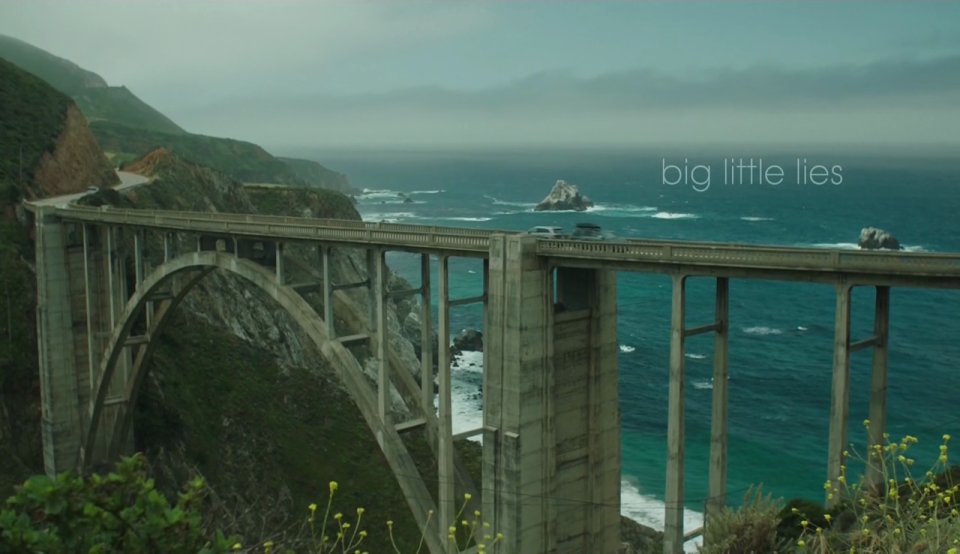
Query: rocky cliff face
x=76, y=161
x=564, y=197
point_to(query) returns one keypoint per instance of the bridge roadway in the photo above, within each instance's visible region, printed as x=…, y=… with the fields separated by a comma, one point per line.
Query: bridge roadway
x=550, y=380
x=859, y=267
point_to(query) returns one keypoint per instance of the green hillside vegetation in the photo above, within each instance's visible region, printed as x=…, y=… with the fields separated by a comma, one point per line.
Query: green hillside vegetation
x=241, y=160
x=64, y=75
x=93, y=96
x=32, y=116
x=316, y=175
x=121, y=106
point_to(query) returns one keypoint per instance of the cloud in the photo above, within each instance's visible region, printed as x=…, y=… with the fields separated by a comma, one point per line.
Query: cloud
x=173, y=46
x=890, y=83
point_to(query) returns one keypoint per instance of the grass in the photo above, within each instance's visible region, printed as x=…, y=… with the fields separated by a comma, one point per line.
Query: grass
x=243, y=161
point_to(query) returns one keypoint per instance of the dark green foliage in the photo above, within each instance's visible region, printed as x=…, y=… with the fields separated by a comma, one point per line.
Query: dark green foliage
x=32, y=116
x=122, y=512
x=291, y=202
x=267, y=428
x=749, y=529
x=243, y=161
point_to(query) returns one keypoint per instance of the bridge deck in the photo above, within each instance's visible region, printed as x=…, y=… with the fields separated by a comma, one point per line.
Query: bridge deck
x=718, y=259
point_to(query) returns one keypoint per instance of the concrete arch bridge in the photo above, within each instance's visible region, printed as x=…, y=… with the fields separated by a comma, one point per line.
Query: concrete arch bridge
x=551, y=422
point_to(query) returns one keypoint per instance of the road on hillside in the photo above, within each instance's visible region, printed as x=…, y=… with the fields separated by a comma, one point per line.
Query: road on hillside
x=127, y=180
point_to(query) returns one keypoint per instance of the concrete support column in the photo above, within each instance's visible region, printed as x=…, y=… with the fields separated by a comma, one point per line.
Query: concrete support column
x=279, y=256
x=138, y=257
x=328, y=293
x=878, y=382
x=111, y=262
x=551, y=407
x=167, y=247
x=447, y=502
x=60, y=415
x=426, y=335
x=92, y=329
x=840, y=402
x=515, y=403
x=603, y=527
x=371, y=259
x=383, y=340
x=673, y=524
x=718, y=433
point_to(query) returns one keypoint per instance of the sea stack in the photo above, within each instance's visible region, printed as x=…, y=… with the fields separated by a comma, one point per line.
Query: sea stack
x=877, y=239
x=564, y=198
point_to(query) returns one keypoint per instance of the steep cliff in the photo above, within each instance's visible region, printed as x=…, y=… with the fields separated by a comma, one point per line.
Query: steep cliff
x=46, y=147
x=316, y=175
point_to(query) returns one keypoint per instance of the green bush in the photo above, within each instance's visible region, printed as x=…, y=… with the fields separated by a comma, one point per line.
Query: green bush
x=903, y=514
x=750, y=529
x=121, y=512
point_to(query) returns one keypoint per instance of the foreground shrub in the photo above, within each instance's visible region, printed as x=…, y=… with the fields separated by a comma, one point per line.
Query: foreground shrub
x=121, y=512
x=901, y=514
x=750, y=529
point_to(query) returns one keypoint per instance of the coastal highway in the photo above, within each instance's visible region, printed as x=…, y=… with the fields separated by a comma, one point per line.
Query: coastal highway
x=127, y=180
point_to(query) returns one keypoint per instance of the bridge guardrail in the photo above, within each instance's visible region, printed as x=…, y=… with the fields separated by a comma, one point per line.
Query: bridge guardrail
x=343, y=223
x=283, y=228
x=477, y=240
x=755, y=256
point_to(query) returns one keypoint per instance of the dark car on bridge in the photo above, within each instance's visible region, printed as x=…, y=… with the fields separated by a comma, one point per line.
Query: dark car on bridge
x=590, y=231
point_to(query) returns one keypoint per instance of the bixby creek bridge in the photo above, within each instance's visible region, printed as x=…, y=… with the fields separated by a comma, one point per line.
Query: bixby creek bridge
x=551, y=421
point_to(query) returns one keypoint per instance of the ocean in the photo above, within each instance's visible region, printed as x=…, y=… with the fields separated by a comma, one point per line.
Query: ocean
x=781, y=333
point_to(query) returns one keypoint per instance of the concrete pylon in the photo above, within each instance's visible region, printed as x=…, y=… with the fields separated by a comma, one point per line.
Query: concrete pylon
x=552, y=438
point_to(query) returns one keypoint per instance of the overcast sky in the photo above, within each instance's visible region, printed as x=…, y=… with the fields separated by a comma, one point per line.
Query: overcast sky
x=325, y=73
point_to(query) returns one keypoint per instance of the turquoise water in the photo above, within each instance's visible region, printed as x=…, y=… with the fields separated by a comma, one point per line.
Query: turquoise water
x=781, y=333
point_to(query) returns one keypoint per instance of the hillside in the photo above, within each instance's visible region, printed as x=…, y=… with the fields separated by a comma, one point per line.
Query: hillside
x=316, y=175
x=46, y=147
x=241, y=160
x=127, y=127
x=43, y=140
x=95, y=98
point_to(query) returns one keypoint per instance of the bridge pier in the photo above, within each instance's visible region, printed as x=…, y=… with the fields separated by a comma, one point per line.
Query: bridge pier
x=674, y=536
x=840, y=402
x=551, y=413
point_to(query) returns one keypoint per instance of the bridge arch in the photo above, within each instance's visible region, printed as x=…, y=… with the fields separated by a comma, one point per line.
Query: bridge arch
x=183, y=273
